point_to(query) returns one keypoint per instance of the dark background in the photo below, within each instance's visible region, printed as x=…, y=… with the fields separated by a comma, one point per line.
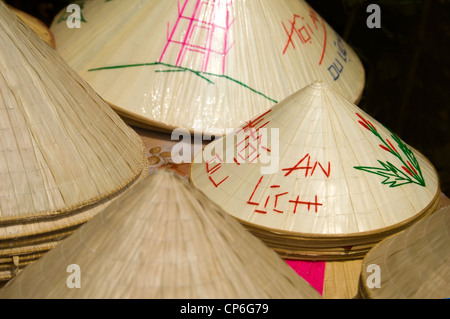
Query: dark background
x=406, y=62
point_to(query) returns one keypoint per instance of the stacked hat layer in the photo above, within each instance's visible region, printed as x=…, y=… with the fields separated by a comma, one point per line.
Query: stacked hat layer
x=64, y=153
x=315, y=177
x=203, y=65
x=163, y=240
x=414, y=264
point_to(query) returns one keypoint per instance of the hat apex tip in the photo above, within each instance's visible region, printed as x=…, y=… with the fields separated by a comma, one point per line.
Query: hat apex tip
x=318, y=84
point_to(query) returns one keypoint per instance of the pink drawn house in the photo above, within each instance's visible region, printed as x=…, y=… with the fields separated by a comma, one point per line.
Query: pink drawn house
x=199, y=39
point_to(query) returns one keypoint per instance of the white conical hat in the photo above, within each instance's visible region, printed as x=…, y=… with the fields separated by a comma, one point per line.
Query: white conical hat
x=328, y=177
x=64, y=153
x=414, y=264
x=203, y=65
x=164, y=240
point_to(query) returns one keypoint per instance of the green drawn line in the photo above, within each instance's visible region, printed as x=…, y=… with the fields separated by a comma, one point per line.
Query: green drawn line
x=182, y=69
x=393, y=176
x=166, y=71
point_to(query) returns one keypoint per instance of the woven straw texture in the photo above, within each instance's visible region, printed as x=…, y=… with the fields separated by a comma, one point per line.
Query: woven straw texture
x=62, y=147
x=317, y=171
x=203, y=65
x=64, y=153
x=414, y=264
x=164, y=240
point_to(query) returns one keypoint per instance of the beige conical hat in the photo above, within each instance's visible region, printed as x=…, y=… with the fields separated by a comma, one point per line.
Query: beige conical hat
x=414, y=264
x=203, y=65
x=316, y=177
x=164, y=240
x=64, y=153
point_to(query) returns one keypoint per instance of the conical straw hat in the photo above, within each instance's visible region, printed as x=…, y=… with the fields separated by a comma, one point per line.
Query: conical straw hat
x=316, y=177
x=414, y=264
x=203, y=65
x=64, y=153
x=164, y=240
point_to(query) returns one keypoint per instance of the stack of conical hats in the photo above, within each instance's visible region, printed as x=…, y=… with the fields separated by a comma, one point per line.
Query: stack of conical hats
x=64, y=153
x=165, y=240
x=203, y=65
x=315, y=177
x=414, y=264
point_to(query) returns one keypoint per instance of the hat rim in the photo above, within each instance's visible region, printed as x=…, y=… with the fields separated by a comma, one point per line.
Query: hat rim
x=42, y=216
x=351, y=236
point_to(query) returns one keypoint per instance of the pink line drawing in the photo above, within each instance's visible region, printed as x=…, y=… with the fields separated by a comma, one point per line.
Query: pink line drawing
x=202, y=29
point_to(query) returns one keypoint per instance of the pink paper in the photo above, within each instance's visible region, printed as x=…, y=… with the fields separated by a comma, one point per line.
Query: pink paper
x=312, y=271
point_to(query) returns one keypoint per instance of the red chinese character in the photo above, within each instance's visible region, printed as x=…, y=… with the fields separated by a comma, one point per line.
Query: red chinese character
x=277, y=196
x=211, y=169
x=252, y=141
x=308, y=168
x=309, y=204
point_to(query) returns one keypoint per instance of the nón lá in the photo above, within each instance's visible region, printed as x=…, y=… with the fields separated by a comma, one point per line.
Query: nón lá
x=316, y=177
x=414, y=264
x=166, y=240
x=64, y=153
x=203, y=65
